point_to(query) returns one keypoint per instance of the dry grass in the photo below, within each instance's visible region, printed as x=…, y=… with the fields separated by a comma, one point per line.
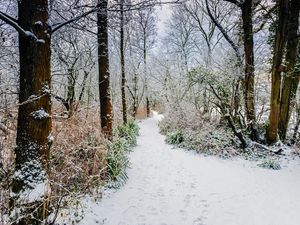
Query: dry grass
x=7, y=143
x=77, y=160
x=141, y=113
x=78, y=153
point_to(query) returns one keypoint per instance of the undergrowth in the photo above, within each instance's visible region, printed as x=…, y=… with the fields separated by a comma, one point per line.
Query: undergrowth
x=270, y=164
x=195, y=132
x=81, y=161
x=117, y=157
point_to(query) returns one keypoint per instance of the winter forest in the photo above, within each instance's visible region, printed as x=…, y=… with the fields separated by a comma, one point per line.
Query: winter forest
x=149, y=112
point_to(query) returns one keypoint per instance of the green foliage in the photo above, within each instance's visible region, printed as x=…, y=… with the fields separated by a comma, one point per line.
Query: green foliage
x=117, y=160
x=165, y=128
x=129, y=131
x=270, y=164
x=117, y=157
x=175, y=138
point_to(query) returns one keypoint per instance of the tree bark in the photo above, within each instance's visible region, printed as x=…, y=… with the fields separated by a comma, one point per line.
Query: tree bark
x=145, y=73
x=123, y=75
x=106, y=110
x=71, y=92
x=280, y=41
x=249, y=91
x=291, y=78
x=296, y=128
x=34, y=117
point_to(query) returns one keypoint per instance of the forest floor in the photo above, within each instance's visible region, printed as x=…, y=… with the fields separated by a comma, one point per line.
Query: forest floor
x=171, y=186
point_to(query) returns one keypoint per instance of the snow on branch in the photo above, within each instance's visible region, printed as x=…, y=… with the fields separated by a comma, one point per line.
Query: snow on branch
x=113, y=8
x=237, y=3
x=60, y=25
x=12, y=22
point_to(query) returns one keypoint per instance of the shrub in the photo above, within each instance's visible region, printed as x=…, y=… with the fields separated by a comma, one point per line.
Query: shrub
x=270, y=164
x=117, y=157
x=117, y=160
x=175, y=138
x=129, y=132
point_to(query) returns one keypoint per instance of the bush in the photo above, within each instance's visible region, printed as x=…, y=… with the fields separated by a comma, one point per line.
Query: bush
x=117, y=160
x=129, y=132
x=175, y=138
x=117, y=157
x=270, y=164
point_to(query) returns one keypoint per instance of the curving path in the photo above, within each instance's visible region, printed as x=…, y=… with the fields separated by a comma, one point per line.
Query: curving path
x=168, y=186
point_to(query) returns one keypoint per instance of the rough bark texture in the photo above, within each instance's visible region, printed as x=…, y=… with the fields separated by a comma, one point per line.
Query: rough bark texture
x=106, y=112
x=296, y=128
x=71, y=92
x=135, y=95
x=249, y=67
x=291, y=78
x=34, y=117
x=280, y=41
x=123, y=77
x=146, y=74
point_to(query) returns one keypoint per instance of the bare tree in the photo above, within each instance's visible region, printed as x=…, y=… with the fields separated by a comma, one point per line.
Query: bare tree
x=146, y=32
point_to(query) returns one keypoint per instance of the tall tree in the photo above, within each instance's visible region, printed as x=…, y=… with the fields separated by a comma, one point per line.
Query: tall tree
x=291, y=78
x=279, y=46
x=106, y=111
x=249, y=92
x=147, y=27
x=122, y=57
x=34, y=116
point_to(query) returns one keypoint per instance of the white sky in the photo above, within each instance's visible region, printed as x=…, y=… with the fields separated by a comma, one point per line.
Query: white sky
x=163, y=13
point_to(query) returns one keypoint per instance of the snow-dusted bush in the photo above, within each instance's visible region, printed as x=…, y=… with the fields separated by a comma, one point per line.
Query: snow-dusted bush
x=117, y=157
x=270, y=164
x=129, y=132
x=175, y=137
x=192, y=130
x=117, y=160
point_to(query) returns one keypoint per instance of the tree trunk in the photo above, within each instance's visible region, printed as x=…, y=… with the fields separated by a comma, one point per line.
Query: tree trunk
x=83, y=86
x=249, y=91
x=280, y=41
x=291, y=79
x=145, y=73
x=71, y=92
x=123, y=77
x=34, y=117
x=296, y=128
x=135, y=95
x=106, y=110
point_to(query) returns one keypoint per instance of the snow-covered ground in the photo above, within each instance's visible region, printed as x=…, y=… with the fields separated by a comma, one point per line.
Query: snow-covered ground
x=168, y=186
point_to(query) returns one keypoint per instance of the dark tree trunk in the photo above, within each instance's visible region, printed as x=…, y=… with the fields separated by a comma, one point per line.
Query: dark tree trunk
x=34, y=117
x=249, y=94
x=291, y=79
x=135, y=95
x=71, y=92
x=123, y=77
x=85, y=77
x=280, y=41
x=106, y=111
x=296, y=128
x=145, y=73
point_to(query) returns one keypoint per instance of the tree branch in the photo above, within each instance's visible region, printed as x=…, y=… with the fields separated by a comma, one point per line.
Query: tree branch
x=226, y=36
x=60, y=25
x=237, y=3
x=12, y=22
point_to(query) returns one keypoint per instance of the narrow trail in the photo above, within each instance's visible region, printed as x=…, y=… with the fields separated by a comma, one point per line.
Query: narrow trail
x=168, y=186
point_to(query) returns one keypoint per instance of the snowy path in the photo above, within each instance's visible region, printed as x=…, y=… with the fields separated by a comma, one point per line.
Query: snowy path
x=169, y=186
